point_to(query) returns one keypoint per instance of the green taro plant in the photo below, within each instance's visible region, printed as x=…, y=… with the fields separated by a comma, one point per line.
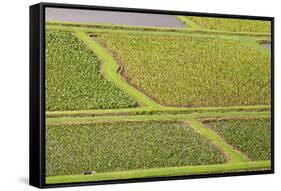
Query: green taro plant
x=193, y=71
x=118, y=146
x=73, y=80
x=251, y=136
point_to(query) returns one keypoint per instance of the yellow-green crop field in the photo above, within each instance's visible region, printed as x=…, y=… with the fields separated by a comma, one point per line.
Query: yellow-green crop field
x=141, y=102
x=228, y=24
x=193, y=71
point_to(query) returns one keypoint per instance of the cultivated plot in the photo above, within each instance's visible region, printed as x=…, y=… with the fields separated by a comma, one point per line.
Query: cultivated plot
x=227, y=24
x=251, y=136
x=193, y=70
x=118, y=146
x=126, y=102
x=73, y=78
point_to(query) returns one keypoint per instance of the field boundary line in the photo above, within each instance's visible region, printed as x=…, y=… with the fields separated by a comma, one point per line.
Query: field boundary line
x=231, y=153
x=254, y=44
x=219, y=115
x=151, y=30
x=193, y=25
x=151, y=110
x=189, y=23
x=109, y=70
x=163, y=172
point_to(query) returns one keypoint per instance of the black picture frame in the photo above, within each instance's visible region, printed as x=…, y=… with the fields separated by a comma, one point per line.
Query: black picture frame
x=37, y=94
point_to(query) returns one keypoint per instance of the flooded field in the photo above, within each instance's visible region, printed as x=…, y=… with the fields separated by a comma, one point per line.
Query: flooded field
x=267, y=45
x=112, y=17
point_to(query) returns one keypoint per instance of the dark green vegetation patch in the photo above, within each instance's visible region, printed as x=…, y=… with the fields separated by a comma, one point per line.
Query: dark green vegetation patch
x=107, y=147
x=73, y=79
x=251, y=136
x=193, y=71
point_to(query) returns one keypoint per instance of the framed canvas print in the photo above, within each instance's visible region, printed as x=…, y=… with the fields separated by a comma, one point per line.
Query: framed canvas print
x=123, y=95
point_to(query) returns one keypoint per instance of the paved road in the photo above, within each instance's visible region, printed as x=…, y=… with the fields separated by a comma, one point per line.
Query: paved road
x=112, y=17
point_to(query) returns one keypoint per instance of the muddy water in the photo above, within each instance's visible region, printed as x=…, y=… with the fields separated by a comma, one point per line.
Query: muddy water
x=266, y=45
x=112, y=17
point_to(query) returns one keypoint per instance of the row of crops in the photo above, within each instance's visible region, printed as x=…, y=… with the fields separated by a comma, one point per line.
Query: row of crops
x=193, y=71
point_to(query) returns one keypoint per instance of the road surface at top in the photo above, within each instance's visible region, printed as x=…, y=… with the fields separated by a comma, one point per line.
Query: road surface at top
x=112, y=17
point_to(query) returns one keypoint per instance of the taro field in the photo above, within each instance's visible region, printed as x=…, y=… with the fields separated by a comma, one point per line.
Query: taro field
x=125, y=102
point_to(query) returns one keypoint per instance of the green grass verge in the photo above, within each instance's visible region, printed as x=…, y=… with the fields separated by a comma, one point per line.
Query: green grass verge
x=110, y=70
x=95, y=31
x=152, y=111
x=251, y=136
x=73, y=79
x=189, y=23
x=232, y=154
x=253, y=43
x=118, y=146
x=163, y=172
x=134, y=29
x=239, y=75
x=216, y=115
